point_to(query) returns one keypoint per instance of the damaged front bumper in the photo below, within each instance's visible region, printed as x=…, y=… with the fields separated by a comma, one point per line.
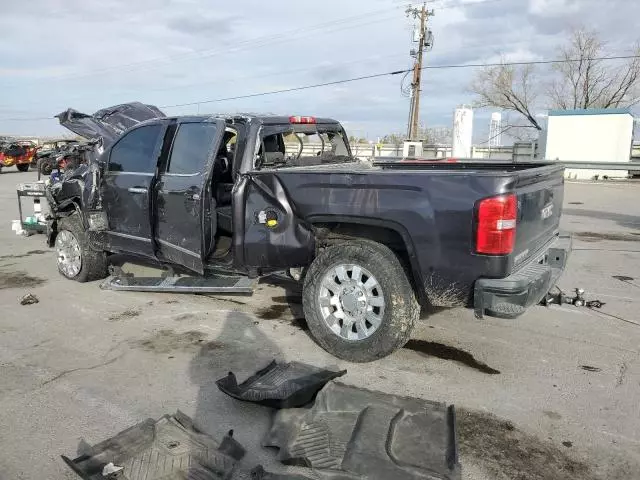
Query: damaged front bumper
x=510, y=297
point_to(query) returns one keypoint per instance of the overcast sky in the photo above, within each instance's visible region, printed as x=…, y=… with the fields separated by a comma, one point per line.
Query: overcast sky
x=89, y=55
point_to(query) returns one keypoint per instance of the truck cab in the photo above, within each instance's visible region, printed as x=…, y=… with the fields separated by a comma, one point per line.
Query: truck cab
x=195, y=192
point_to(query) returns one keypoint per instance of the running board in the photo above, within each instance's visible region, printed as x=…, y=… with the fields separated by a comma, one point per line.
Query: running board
x=217, y=284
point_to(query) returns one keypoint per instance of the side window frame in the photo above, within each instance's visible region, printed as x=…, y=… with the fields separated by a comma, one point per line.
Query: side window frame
x=166, y=166
x=154, y=155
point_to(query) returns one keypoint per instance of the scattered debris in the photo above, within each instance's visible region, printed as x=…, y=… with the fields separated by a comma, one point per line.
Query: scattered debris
x=589, y=368
x=110, y=470
x=368, y=434
x=169, y=449
x=29, y=299
x=567, y=444
x=286, y=385
x=578, y=300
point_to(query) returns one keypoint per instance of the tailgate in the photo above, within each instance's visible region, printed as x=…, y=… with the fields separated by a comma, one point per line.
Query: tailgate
x=540, y=194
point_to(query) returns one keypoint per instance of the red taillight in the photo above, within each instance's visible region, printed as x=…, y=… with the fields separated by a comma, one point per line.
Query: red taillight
x=299, y=119
x=496, y=227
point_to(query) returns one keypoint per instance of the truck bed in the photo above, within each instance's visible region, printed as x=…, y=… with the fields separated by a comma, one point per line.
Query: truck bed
x=433, y=208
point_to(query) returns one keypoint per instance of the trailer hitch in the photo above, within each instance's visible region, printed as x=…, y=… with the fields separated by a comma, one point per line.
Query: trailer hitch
x=578, y=300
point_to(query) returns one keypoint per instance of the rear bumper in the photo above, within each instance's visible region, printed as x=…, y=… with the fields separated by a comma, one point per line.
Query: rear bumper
x=511, y=296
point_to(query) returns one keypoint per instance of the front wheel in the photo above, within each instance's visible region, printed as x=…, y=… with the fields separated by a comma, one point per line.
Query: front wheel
x=358, y=301
x=45, y=166
x=76, y=259
x=23, y=167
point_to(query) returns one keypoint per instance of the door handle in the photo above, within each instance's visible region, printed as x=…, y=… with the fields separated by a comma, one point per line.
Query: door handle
x=192, y=196
x=137, y=190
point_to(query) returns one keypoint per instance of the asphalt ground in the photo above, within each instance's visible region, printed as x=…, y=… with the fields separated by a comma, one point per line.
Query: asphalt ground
x=553, y=394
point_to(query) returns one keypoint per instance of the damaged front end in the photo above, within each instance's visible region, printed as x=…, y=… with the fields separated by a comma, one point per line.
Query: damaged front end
x=78, y=191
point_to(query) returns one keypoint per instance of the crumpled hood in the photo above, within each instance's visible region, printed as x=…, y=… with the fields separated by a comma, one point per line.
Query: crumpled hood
x=108, y=123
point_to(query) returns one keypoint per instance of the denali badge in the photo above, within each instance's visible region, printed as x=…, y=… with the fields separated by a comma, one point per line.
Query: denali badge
x=547, y=211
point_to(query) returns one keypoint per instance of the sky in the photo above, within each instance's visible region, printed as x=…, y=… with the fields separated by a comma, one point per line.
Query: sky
x=56, y=54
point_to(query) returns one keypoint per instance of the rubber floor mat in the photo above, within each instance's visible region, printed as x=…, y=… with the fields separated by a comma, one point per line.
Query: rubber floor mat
x=168, y=449
x=285, y=385
x=370, y=434
x=259, y=473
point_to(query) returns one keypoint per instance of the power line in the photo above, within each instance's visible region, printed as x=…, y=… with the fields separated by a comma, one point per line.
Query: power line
x=395, y=72
x=366, y=77
x=292, y=89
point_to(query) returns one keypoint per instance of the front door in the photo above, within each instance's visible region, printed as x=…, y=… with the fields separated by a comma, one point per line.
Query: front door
x=126, y=196
x=186, y=209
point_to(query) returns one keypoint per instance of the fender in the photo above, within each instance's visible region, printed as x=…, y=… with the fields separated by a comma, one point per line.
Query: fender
x=387, y=224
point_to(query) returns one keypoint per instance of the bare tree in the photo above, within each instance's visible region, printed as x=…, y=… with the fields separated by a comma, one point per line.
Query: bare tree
x=508, y=87
x=578, y=80
x=582, y=81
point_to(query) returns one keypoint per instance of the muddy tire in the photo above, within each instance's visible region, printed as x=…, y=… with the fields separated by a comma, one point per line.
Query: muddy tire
x=76, y=259
x=358, y=302
x=23, y=167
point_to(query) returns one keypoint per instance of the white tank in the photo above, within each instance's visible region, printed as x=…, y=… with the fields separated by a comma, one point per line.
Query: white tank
x=495, y=130
x=462, y=132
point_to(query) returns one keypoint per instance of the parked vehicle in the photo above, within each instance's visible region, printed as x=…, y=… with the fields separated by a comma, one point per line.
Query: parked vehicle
x=374, y=241
x=49, y=148
x=18, y=153
x=67, y=158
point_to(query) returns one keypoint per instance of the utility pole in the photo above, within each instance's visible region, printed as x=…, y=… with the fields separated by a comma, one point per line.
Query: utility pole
x=424, y=37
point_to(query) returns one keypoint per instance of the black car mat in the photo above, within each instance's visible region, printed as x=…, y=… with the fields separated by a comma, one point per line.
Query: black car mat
x=285, y=385
x=171, y=448
x=369, y=434
x=259, y=473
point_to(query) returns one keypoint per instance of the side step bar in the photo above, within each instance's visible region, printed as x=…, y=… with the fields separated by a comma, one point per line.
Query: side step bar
x=217, y=284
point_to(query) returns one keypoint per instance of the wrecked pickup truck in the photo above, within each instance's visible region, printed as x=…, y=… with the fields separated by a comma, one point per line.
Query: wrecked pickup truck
x=230, y=198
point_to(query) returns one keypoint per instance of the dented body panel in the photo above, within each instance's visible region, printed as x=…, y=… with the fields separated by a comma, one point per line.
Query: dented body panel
x=282, y=215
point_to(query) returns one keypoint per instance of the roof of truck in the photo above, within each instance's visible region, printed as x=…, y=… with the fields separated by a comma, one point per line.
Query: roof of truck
x=267, y=119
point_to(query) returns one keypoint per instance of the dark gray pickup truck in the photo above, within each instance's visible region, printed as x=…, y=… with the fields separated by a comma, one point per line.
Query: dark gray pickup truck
x=226, y=199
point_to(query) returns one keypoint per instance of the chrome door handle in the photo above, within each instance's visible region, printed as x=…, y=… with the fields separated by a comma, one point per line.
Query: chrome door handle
x=192, y=196
x=136, y=190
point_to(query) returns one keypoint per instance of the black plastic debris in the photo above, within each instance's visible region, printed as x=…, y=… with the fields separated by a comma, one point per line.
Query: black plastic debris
x=369, y=434
x=171, y=448
x=286, y=385
x=259, y=473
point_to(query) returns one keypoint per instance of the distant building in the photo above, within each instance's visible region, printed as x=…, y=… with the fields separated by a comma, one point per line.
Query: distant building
x=495, y=130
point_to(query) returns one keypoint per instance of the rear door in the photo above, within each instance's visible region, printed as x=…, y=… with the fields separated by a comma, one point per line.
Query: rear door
x=185, y=207
x=540, y=194
x=128, y=177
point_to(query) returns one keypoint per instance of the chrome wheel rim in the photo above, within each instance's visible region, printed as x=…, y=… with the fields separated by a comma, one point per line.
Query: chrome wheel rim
x=69, y=255
x=351, y=302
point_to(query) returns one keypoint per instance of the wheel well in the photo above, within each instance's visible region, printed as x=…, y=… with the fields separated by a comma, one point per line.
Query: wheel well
x=330, y=233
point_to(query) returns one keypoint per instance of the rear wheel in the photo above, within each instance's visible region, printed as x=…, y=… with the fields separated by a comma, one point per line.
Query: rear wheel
x=23, y=167
x=76, y=260
x=358, y=301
